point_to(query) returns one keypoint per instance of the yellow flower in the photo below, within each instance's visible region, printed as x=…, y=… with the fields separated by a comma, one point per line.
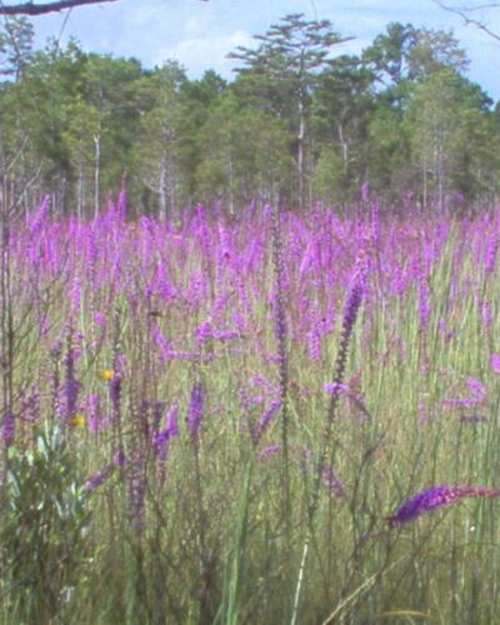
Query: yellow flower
x=108, y=375
x=78, y=421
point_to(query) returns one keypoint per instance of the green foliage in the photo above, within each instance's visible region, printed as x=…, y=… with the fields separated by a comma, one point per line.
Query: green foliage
x=242, y=150
x=45, y=519
x=158, y=155
x=77, y=124
x=447, y=126
x=284, y=71
x=330, y=177
x=235, y=560
x=406, y=53
x=16, y=45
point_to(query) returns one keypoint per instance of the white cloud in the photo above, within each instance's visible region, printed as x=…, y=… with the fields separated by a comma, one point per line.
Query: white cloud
x=205, y=52
x=200, y=34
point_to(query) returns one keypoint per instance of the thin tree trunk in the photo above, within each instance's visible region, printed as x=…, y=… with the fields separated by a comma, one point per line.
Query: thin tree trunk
x=231, y=182
x=97, y=174
x=300, y=153
x=162, y=188
x=425, y=198
x=81, y=189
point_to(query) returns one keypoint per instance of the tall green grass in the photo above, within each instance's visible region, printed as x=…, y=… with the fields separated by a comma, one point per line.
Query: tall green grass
x=218, y=539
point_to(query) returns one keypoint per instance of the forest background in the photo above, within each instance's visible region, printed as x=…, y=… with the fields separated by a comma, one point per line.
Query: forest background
x=302, y=122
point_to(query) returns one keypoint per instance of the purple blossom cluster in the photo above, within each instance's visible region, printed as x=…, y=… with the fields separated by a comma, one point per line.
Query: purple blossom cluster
x=196, y=410
x=437, y=497
x=162, y=438
x=201, y=293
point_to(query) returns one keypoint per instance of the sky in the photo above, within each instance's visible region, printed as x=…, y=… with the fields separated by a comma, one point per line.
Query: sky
x=199, y=34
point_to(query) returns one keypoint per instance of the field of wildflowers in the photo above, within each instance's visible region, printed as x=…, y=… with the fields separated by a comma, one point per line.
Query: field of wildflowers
x=258, y=420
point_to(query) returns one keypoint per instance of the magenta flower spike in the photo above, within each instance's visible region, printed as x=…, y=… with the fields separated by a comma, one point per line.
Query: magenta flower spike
x=495, y=363
x=195, y=410
x=8, y=428
x=97, y=479
x=437, y=497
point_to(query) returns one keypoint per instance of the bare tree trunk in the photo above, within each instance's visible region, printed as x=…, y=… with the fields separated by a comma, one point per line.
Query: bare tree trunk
x=6, y=314
x=300, y=153
x=162, y=188
x=231, y=183
x=440, y=176
x=172, y=193
x=81, y=189
x=345, y=147
x=97, y=174
x=426, y=182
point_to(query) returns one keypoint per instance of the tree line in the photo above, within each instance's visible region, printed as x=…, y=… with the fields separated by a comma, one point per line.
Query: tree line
x=301, y=122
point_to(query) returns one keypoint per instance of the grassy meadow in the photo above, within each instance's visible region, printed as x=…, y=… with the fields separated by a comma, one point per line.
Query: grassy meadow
x=211, y=421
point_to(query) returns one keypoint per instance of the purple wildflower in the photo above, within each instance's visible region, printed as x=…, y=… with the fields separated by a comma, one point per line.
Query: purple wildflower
x=457, y=402
x=164, y=346
x=162, y=438
x=353, y=301
x=96, y=420
x=30, y=406
x=8, y=428
x=158, y=408
x=328, y=476
x=473, y=419
x=495, y=363
x=100, y=319
x=314, y=344
x=269, y=452
x=265, y=420
x=226, y=335
x=424, y=307
x=477, y=394
x=437, y=497
x=487, y=314
x=98, y=479
x=120, y=459
x=204, y=332
x=336, y=388
x=195, y=411
x=75, y=295
x=477, y=389
x=137, y=493
x=351, y=309
x=491, y=254
x=115, y=389
x=333, y=482
x=171, y=419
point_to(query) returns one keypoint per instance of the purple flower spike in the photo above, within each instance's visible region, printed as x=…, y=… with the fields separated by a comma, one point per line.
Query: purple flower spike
x=171, y=420
x=265, y=420
x=100, y=319
x=161, y=439
x=9, y=428
x=269, y=452
x=195, y=411
x=120, y=459
x=333, y=482
x=495, y=363
x=98, y=479
x=437, y=497
x=477, y=389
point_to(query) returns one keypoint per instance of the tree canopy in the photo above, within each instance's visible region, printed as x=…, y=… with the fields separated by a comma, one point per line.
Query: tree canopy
x=301, y=122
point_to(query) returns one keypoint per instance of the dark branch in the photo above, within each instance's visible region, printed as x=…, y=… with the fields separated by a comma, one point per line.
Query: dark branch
x=28, y=8
x=464, y=13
